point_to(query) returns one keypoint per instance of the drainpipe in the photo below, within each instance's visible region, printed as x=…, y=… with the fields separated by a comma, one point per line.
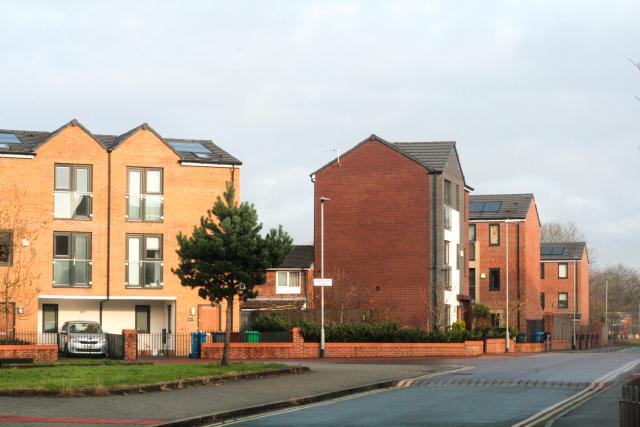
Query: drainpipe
x=432, y=249
x=518, y=273
x=108, y=234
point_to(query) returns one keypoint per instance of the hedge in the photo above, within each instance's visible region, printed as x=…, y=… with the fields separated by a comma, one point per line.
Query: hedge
x=385, y=332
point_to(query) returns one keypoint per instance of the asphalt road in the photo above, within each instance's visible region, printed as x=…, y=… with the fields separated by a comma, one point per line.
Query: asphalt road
x=496, y=391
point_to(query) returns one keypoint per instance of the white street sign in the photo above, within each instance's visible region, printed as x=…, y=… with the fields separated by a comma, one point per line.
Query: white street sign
x=322, y=282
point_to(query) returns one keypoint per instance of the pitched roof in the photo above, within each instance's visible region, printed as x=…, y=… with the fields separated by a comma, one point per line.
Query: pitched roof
x=570, y=251
x=31, y=140
x=433, y=156
x=509, y=206
x=301, y=256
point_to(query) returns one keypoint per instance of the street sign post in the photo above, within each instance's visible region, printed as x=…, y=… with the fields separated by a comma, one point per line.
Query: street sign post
x=322, y=282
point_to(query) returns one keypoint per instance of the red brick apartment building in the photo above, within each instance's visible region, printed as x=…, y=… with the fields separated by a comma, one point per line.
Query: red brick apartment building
x=395, y=227
x=101, y=215
x=289, y=286
x=489, y=217
x=564, y=271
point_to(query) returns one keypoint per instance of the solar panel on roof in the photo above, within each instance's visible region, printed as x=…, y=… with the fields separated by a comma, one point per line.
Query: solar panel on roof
x=476, y=207
x=545, y=250
x=480, y=207
x=189, y=147
x=491, y=206
x=4, y=146
x=557, y=250
x=9, y=138
x=202, y=155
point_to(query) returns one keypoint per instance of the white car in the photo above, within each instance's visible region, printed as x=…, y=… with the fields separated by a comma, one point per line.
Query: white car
x=82, y=337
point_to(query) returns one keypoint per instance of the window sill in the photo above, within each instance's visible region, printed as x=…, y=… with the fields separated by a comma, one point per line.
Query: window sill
x=160, y=221
x=294, y=291
x=80, y=218
x=494, y=290
x=72, y=286
x=144, y=287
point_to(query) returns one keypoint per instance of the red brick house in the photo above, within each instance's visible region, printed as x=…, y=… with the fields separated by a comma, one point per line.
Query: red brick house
x=564, y=272
x=395, y=228
x=489, y=217
x=288, y=287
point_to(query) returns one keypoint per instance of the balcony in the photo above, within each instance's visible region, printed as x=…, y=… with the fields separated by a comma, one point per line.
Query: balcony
x=71, y=205
x=447, y=217
x=74, y=273
x=144, y=274
x=145, y=207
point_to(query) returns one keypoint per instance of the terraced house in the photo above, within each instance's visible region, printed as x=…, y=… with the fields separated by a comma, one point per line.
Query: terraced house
x=504, y=252
x=564, y=272
x=91, y=222
x=395, y=228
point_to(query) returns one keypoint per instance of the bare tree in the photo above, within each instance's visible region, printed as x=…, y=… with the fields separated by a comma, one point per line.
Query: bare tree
x=18, y=276
x=345, y=297
x=560, y=231
x=624, y=292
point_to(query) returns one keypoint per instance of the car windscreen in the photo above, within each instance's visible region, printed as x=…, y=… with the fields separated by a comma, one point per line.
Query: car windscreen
x=84, y=328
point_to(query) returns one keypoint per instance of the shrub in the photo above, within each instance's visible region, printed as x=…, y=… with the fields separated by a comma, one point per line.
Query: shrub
x=383, y=332
x=481, y=311
x=458, y=326
x=272, y=323
x=13, y=341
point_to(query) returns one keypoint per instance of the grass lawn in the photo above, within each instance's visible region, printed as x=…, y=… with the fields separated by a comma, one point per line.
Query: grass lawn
x=118, y=374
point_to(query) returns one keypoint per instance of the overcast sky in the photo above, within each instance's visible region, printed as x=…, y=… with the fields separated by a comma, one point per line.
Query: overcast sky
x=538, y=95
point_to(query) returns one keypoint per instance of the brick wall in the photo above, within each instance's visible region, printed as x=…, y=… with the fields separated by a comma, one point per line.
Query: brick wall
x=298, y=349
x=45, y=352
x=377, y=229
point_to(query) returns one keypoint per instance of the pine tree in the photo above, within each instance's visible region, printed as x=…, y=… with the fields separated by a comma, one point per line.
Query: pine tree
x=226, y=255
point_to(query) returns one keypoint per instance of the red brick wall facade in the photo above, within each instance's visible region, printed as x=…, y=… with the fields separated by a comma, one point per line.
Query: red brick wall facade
x=45, y=352
x=377, y=229
x=552, y=285
x=524, y=269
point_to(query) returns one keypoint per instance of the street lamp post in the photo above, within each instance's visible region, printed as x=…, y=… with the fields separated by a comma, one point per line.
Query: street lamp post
x=606, y=308
x=506, y=222
x=575, y=301
x=322, y=200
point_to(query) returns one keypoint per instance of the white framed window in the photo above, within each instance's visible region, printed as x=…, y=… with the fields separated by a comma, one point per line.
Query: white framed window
x=288, y=282
x=563, y=271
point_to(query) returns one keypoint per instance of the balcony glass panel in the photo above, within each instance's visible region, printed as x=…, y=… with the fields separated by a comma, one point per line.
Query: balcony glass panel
x=71, y=204
x=71, y=272
x=152, y=274
x=152, y=208
x=62, y=272
x=135, y=207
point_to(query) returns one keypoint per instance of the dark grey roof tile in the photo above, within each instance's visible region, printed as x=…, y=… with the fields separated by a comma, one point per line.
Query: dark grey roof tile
x=571, y=250
x=512, y=206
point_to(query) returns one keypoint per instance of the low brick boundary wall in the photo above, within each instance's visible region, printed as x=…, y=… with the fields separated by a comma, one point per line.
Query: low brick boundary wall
x=42, y=352
x=529, y=347
x=298, y=349
x=560, y=345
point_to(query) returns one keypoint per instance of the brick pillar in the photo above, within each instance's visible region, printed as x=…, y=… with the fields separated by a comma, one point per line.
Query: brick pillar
x=297, y=335
x=130, y=339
